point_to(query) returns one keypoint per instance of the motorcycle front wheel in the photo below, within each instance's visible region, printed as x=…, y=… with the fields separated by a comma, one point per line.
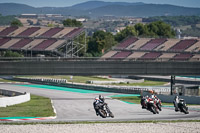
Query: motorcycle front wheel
x=102, y=113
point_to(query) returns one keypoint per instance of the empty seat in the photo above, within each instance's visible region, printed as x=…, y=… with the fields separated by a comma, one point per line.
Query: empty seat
x=139, y=43
x=44, y=44
x=29, y=31
x=127, y=42
x=20, y=44
x=151, y=55
x=183, y=44
x=51, y=32
x=73, y=33
x=167, y=45
x=152, y=44
x=9, y=43
x=109, y=54
x=4, y=40
x=7, y=31
x=183, y=56
x=121, y=54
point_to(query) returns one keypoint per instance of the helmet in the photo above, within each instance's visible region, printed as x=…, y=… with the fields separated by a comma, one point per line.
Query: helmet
x=101, y=98
x=96, y=98
x=151, y=91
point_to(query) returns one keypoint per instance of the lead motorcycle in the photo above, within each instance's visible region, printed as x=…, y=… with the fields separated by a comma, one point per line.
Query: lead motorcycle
x=150, y=104
x=104, y=111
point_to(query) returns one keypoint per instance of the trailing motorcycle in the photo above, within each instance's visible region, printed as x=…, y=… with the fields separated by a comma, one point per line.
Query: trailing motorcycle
x=180, y=105
x=104, y=111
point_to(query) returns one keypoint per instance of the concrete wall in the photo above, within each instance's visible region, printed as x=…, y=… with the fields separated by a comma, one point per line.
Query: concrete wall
x=12, y=100
x=99, y=68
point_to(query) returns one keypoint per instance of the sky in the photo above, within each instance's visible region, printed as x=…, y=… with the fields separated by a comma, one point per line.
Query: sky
x=65, y=3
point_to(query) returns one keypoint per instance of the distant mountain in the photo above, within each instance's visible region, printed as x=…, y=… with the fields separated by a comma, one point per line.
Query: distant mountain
x=96, y=4
x=144, y=10
x=99, y=8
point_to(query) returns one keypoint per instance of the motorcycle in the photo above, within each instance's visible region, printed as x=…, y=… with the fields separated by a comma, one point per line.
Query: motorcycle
x=182, y=106
x=104, y=111
x=151, y=104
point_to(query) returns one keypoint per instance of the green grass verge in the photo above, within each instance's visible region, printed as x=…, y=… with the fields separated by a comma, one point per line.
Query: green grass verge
x=37, y=107
x=5, y=80
x=83, y=79
x=76, y=79
x=130, y=99
x=145, y=83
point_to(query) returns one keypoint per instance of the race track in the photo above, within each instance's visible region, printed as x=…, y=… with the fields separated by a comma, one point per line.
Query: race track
x=77, y=106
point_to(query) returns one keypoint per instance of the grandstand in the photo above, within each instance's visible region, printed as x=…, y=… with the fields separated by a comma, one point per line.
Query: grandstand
x=164, y=49
x=42, y=40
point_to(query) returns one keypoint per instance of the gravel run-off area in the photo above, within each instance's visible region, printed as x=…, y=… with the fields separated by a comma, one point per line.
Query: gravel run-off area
x=182, y=127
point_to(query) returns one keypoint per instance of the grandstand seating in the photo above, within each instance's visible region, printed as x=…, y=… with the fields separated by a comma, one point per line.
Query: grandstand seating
x=183, y=44
x=127, y=42
x=20, y=44
x=29, y=31
x=4, y=40
x=2, y=28
x=136, y=55
x=9, y=43
x=139, y=43
x=7, y=31
x=167, y=56
x=32, y=44
x=122, y=54
x=151, y=56
x=51, y=32
x=183, y=56
x=153, y=43
x=196, y=57
x=194, y=48
x=39, y=32
x=44, y=44
x=167, y=45
x=55, y=45
x=109, y=54
x=63, y=32
x=17, y=31
x=72, y=33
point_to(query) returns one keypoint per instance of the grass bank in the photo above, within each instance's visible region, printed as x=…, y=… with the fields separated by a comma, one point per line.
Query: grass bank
x=37, y=107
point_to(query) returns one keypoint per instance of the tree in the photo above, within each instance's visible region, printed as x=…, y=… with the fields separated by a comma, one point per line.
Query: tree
x=11, y=54
x=99, y=42
x=16, y=22
x=128, y=31
x=72, y=23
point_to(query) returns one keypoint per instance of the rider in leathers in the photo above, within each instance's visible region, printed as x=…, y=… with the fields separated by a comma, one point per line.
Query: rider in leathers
x=176, y=102
x=98, y=102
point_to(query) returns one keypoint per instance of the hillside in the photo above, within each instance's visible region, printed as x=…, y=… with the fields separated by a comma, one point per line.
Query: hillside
x=97, y=8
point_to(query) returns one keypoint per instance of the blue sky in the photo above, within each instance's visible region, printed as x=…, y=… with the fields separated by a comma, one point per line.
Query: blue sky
x=65, y=3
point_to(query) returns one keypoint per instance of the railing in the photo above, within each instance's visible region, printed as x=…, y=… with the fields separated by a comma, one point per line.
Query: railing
x=11, y=59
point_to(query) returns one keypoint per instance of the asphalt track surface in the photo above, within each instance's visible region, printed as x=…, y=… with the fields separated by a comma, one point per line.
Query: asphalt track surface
x=77, y=106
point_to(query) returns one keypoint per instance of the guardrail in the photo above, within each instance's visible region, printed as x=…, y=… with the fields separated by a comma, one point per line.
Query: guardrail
x=7, y=59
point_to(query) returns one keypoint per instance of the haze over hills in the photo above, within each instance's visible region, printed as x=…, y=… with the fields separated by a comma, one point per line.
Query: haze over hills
x=99, y=8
